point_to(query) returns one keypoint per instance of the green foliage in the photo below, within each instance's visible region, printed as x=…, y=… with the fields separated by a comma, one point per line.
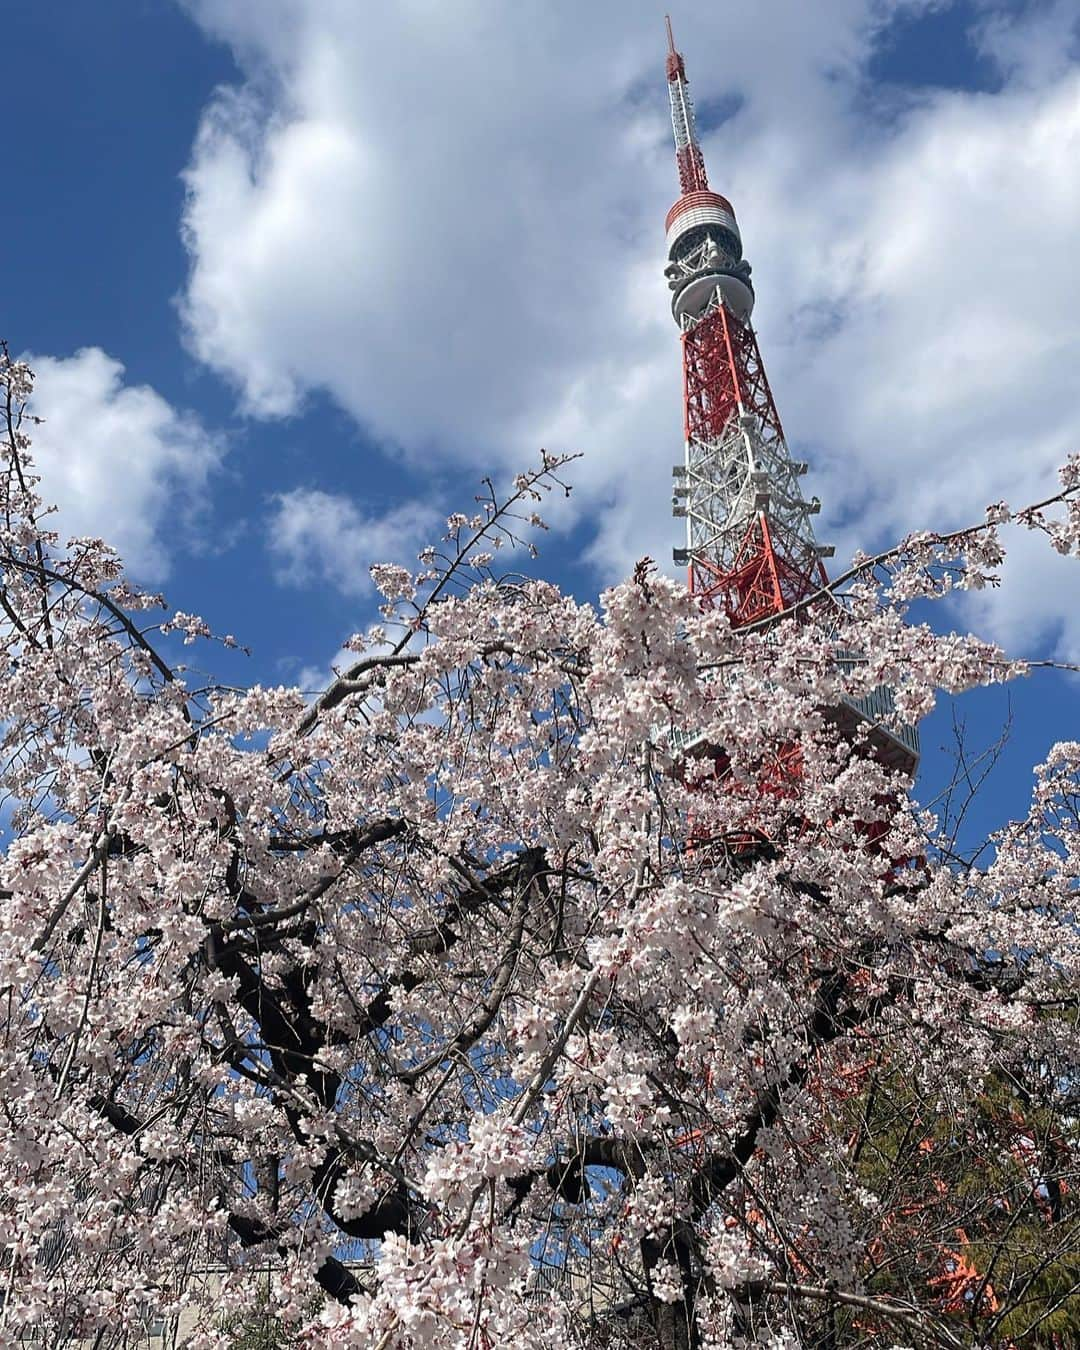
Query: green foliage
x=978, y=1200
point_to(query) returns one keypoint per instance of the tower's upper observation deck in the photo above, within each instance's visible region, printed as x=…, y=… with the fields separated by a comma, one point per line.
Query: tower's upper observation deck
x=704, y=246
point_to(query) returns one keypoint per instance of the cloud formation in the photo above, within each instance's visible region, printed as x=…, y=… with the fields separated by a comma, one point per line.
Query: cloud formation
x=323, y=538
x=450, y=219
x=118, y=460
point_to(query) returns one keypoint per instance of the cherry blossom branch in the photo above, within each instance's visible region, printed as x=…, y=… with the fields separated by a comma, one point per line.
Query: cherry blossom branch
x=91, y=975
x=469, y=1034
x=554, y=1051
x=16, y=460
x=130, y=628
x=97, y=853
x=344, y=685
x=906, y=1314
x=333, y=1276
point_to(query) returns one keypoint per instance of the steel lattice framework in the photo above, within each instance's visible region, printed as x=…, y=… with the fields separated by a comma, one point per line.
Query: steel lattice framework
x=750, y=541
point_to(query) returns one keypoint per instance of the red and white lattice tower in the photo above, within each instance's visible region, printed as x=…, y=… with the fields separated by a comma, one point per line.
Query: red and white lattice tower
x=749, y=539
x=750, y=544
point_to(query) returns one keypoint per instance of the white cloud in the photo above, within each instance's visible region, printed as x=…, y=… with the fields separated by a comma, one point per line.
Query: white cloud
x=450, y=219
x=321, y=537
x=948, y=380
x=443, y=215
x=118, y=460
x=1032, y=45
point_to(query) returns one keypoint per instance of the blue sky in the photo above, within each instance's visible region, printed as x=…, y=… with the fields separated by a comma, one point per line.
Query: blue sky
x=296, y=274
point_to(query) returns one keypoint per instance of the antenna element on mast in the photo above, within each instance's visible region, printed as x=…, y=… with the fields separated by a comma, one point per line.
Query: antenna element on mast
x=688, y=156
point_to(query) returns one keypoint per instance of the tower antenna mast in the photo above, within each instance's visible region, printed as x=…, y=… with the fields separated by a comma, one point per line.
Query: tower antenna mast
x=691, y=161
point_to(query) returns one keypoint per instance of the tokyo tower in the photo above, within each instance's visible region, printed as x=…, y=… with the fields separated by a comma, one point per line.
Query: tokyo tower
x=750, y=544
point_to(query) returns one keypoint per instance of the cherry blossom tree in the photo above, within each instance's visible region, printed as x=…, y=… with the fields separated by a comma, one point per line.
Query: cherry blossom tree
x=560, y=976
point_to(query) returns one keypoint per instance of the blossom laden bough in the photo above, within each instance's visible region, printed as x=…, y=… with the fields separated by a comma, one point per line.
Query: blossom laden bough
x=462, y=1007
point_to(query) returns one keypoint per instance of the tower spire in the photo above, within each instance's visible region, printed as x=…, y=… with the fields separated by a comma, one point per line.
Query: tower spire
x=688, y=156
